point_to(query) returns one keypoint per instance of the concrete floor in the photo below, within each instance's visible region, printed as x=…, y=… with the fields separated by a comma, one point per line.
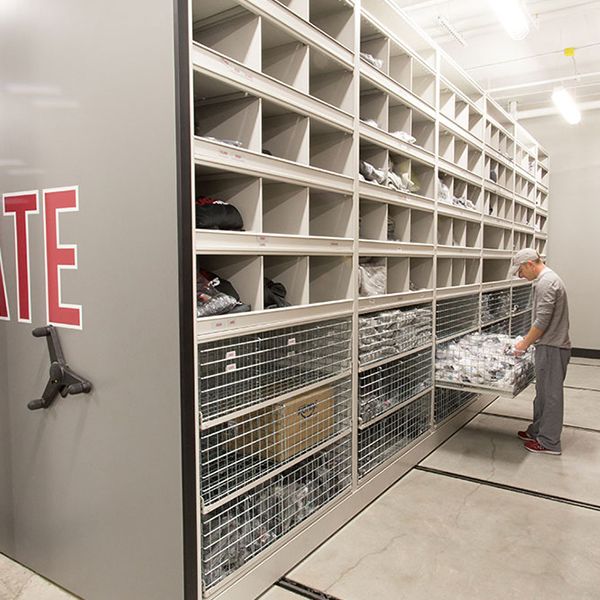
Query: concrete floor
x=479, y=518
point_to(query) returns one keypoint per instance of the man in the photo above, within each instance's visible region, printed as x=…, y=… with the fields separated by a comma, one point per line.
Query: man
x=550, y=334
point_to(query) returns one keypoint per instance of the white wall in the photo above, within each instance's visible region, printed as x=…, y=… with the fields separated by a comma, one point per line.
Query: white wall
x=574, y=221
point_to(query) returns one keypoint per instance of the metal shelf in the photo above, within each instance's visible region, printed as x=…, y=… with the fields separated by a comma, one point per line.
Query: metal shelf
x=456, y=171
x=380, y=193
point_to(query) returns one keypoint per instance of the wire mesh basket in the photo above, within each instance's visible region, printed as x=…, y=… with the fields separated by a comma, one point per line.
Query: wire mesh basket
x=483, y=361
x=392, y=332
x=521, y=324
x=244, y=527
x=244, y=449
x=386, y=437
x=502, y=327
x=447, y=402
x=456, y=315
x=242, y=371
x=382, y=388
x=495, y=305
x=522, y=297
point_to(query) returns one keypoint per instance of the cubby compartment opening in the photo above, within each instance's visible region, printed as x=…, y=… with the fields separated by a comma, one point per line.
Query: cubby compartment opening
x=447, y=103
x=461, y=157
x=458, y=271
x=224, y=113
x=285, y=134
x=400, y=166
x=374, y=48
x=398, y=223
x=421, y=273
x=373, y=221
x=400, y=118
x=423, y=83
x=330, y=214
x=335, y=19
x=284, y=57
x=300, y=7
x=331, y=82
x=234, y=31
x=400, y=66
x=469, y=193
x=462, y=113
x=446, y=149
x=330, y=148
x=372, y=276
x=475, y=161
x=421, y=227
x=541, y=246
x=374, y=163
x=444, y=272
x=472, y=271
x=245, y=273
x=495, y=269
x=423, y=130
x=459, y=232
x=285, y=208
x=398, y=276
x=374, y=107
x=241, y=191
x=330, y=278
x=423, y=178
x=292, y=273
x=444, y=230
x=473, y=233
x=476, y=123
x=495, y=238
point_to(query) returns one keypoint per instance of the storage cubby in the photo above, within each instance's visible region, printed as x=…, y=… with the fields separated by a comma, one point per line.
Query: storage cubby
x=542, y=199
x=376, y=161
x=292, y=272
x=495, y=269
x=241, y=191
x=421, y=273
x=423, y=83
x=285, y=134
x=225, y=114
x=458, y=271
x=372, y=276
x=423, y=177
x=540, y=223
x=400, y=117
x=400, y=69
x=523, y=214
x=476, y=123
x=398, y=275
x=285, y=208
x=335, y=19
x=522, y=240
x=447, y=103
x=461, y=154
x=461, y=109
x=496, y=238
x=374, y=47
x=459, y=232
x=373, y=221
x=330, y=214
x=245, y=273
x=331, y=82
x=399, y=223
x=492, y=135
x=472, y=271
x=374, y=108
x=444, y=230
x=284, y=57
x=468, y=192
x=540, y=246
x=330, y=278
x=473, y=235
x=423, y=130
x=233, y=31
x=475, y=160
x=446, y=148
x=444, y=272
x=421, y=227
x=330, y=148
x=498, y=206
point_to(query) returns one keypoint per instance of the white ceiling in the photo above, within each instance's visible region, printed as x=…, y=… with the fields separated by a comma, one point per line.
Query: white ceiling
x=496, y=61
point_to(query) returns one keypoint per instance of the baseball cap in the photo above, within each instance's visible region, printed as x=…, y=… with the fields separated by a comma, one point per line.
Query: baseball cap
x=521, y=257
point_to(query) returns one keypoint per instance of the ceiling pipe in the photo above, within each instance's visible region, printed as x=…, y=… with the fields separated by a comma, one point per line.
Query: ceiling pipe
x=521, y=86
x=544, y=112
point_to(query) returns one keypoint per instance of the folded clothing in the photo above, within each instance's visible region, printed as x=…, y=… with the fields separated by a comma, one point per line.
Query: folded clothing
x=217, y=214
x=370, y=173
x=403, y=136
x=371, y=277
x=274, y=294
x=375, y=62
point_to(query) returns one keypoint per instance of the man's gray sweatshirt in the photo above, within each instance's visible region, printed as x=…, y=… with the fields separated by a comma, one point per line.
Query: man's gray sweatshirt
x=551, y=309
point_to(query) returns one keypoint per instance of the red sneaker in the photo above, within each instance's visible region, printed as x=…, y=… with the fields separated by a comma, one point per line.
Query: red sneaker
x=535, y=446
x=525, y=436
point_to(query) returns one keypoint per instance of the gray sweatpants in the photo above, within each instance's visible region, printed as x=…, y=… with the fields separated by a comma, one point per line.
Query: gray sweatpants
x=548, y=407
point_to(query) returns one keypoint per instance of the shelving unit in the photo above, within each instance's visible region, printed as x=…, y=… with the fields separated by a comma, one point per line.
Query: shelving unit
x=386, y=193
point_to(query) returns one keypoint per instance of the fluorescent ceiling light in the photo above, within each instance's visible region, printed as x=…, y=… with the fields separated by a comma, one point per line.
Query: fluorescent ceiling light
x=566, y=105
x=513, y=17
x=445, y=23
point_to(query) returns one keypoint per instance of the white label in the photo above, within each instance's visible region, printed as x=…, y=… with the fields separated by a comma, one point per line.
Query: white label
x=230, y=354
x=230, y=367
x=291, y=341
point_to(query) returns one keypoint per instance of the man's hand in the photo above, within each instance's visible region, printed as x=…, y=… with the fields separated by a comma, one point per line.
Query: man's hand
x=521, y=347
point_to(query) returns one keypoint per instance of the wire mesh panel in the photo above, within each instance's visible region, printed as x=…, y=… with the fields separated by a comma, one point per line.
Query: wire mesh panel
x=502, y=327
x=236, y=453
x=522, y=298
x=239, y=372
x=456, y=315
x=520, y=324
x=495, y=305
x=240, y=529
x=483, y=360
x=386, y=437
x=391, y=332
x=384, y=387
x=447, y=402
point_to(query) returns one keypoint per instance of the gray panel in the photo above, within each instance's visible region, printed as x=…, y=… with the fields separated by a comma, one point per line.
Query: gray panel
x=88, y=99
